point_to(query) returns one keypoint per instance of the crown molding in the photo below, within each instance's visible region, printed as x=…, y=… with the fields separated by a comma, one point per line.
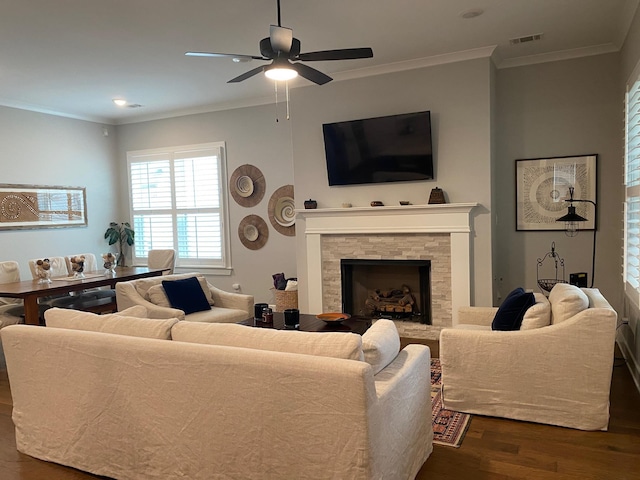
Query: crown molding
x=555, y=56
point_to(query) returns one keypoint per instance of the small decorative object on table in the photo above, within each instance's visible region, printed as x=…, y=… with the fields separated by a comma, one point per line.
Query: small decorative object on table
x=291, y=318
x=110, y=260
x=437, y=196
x=77, y=265
x=310, y=204
x=334, y=318
x=377, y=203
x=43, y=270
x=267, y=315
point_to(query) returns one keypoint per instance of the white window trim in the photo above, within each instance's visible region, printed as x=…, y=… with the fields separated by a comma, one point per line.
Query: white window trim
x=226, y=267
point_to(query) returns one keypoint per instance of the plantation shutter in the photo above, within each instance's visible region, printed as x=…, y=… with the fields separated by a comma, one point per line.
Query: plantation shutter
x=632, y=188
x=177, y=202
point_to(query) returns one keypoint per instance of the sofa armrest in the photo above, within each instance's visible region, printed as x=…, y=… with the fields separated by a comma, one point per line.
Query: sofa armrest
x=238, y=301
x=476, y=315
x=127, y=296
x=407, y=431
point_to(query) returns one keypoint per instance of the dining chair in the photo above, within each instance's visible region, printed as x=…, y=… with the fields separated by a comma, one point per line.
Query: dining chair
x=11, y=309
x=162, y=258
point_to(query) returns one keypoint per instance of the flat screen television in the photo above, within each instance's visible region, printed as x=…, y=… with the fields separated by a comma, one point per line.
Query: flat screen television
x=394, y=148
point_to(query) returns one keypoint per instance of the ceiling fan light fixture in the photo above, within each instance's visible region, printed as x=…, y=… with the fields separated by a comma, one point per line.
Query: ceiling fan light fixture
x=280, y=73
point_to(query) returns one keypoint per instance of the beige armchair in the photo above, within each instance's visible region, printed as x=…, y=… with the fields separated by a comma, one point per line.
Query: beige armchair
x=559, y=374
x=225, y=306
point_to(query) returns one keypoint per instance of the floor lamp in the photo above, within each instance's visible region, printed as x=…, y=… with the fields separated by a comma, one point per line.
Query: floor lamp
x=571, y=221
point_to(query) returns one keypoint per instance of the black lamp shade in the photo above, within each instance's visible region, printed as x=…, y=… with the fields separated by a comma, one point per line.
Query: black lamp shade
x=572, y=216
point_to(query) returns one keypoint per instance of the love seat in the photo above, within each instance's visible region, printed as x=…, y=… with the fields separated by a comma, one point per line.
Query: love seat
x=556, y=369
x=138, y=398
x=149, y=293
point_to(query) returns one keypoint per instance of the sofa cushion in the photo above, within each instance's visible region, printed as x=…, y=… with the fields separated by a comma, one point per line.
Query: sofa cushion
x=380, y=344
x=566, y=301
x=110, y=323
x=539, y=315
x=330, y=344
x=511, y=311
x=139, y=311
x=186, y=294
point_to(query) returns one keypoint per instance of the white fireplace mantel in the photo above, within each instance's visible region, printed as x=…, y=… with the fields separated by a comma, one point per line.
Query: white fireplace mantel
x=452, y=218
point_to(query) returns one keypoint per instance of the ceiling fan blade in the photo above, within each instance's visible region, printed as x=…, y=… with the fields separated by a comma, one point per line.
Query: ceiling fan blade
x=281, y=38
x=248, y=74
x=311, y=74
x=342, y=54
x=228, y=55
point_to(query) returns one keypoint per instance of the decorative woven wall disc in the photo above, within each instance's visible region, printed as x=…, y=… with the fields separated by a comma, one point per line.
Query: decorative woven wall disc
x=247, y=185
x=253, y=232
x=281, y=210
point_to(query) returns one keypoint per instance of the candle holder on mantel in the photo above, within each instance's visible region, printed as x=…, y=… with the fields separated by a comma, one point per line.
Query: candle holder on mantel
x=546, y=284
x=437, y=196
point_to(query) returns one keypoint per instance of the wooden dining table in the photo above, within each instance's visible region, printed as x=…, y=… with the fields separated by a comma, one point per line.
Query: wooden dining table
x=31, y=290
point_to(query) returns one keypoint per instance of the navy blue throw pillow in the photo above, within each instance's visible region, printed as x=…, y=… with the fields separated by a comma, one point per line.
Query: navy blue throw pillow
x=186, y=294
x=509, y=315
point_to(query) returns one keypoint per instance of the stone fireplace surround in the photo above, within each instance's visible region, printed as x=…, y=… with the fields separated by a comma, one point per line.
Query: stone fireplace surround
x=439, y=233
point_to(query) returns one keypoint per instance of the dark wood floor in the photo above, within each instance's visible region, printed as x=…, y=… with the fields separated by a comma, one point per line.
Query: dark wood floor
x=493, y=449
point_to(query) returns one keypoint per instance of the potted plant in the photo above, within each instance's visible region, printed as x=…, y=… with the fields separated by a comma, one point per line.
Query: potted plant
x=123, y=235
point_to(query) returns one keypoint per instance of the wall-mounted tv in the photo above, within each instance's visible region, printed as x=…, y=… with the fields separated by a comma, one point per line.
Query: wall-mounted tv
x=394, y=148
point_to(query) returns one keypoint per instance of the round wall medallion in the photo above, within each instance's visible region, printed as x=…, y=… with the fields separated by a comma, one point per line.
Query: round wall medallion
x=281, y=210
x=247, y=185
x=244, y=186
x=253, y=232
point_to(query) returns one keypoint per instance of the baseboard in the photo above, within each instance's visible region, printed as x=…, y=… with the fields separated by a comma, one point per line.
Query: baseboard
x=631, y=361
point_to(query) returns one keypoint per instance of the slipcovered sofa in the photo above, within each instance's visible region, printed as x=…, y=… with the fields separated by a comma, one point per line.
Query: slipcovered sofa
x=149, y=293
x=556, y=369
x=137, y=398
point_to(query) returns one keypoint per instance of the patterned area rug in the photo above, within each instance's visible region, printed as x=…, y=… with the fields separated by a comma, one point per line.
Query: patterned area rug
x=449, y=427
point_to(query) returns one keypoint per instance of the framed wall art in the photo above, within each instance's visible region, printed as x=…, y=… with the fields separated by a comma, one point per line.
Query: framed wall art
x=36, y=206
x=542, y=186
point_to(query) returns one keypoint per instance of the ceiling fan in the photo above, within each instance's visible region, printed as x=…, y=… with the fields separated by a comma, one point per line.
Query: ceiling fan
x=284, y=52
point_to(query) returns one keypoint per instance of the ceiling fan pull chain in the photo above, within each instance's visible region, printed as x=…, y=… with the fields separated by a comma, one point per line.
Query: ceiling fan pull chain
x=276, y=84
x=286, y=83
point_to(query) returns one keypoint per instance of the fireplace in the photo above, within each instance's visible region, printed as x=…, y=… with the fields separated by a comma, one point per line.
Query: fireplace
x=394, y=289
x=441, y=234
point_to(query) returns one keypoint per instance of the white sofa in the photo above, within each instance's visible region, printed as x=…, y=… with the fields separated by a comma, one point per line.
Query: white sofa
x=225, y=306
x=558, y=374
x=113, y=403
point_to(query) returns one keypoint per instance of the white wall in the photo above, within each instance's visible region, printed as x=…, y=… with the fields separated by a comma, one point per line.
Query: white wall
x=40, y=149
x=253, y=137
x=458, y=96
x=557, y=109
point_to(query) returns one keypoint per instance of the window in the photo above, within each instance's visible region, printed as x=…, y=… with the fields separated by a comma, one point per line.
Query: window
x=632, y=189
x=178, y=200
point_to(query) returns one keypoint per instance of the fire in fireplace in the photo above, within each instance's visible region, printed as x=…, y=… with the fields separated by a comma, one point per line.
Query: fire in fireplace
x=397, y=289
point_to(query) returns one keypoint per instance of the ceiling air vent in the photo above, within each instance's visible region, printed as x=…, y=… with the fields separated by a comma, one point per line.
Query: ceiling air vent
x=134, y=105
x=526, y=39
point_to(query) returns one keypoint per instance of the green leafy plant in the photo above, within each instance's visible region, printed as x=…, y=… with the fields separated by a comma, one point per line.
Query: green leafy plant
x=123, y=235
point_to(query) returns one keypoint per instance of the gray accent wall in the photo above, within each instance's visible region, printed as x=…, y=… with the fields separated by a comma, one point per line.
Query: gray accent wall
x=556, y=109
x=252, y=136
x=458, y=97
x=41, y=149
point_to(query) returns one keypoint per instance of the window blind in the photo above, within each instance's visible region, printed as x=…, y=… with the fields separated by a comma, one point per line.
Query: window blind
x=632, y=189
x=177, y=202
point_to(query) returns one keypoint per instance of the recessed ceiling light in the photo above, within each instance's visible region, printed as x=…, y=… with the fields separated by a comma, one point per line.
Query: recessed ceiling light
x=472, y=13
x=121, y=102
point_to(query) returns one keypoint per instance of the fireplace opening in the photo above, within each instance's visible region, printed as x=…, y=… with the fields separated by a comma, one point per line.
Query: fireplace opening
x=395, y=289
